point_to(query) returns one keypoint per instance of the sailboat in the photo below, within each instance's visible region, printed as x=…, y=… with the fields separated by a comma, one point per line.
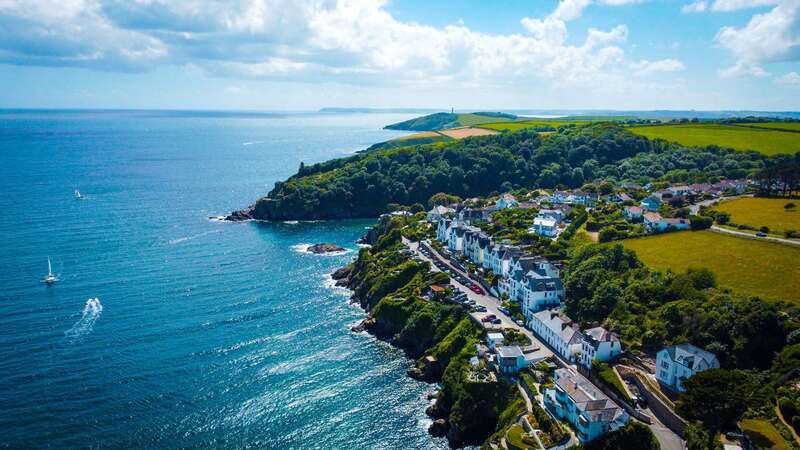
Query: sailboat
x=78, y=195
x=50, y=278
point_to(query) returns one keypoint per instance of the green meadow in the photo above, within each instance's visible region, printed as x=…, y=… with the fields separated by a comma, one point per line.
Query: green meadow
x=764, y=140
x=765, y=269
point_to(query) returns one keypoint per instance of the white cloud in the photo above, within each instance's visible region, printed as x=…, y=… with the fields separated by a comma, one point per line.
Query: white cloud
x=768, y=37
x=743, y=68
x=695, y=7
x=734, y=5
x=645, y=67
x=790, y=79
x=349, y=41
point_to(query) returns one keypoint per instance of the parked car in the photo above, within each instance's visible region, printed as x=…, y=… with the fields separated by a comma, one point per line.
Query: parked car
x=488, y=318
x=497, y=321
x=476, y=289
x=503, y=310
x=480, y=308
x=761, y=234
x=519, y=322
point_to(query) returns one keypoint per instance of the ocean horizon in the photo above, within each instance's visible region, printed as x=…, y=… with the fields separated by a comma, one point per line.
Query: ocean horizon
x=167, y=329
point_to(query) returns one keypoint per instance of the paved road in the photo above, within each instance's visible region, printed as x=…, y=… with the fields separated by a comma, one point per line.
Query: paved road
x=491, y=304
x=752, y=236
x=666, y=437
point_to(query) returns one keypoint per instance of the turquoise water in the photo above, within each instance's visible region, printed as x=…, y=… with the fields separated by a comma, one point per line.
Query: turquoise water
x=205, y=334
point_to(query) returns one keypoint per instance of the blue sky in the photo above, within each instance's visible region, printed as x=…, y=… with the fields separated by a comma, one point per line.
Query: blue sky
x=488, y=54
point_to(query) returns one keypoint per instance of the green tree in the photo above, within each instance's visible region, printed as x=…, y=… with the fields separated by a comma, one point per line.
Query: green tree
x=715, y=397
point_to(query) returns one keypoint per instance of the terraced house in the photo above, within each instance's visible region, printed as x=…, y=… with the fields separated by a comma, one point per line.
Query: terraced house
x=576, y=400
x=558, y=331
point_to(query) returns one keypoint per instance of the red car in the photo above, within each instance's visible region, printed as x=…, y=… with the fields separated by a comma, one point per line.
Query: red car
x=476, y=289
x=488, y=318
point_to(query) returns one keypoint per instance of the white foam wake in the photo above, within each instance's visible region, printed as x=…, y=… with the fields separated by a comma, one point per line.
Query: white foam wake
x=91, y=312
x=189, y=238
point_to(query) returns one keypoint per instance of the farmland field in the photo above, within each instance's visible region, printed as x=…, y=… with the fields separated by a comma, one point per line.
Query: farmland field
x=768, y=270
x=514, y=126
x=758, y=212
x=791, y=126
x=461, y=133
x=767, y=141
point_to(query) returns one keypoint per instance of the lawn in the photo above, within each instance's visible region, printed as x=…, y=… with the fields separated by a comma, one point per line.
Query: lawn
x=767, y=141
x=766, y=269
x=759, y=212
x=763, y=434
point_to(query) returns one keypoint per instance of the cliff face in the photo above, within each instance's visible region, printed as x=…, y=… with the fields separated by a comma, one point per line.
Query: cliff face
x=440, y=336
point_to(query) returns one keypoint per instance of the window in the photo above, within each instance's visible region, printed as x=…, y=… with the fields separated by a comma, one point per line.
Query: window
x=664, y=364
x=663, y=374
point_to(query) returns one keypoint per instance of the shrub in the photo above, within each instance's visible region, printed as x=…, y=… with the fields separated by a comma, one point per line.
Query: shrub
x=764, y=229
x=723, y=218
x=796, y=423
x=792, y=234
x=701, y=222
x=788, y=408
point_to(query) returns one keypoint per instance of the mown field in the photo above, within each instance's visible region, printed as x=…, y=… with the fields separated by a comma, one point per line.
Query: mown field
x=766, y=269
x=767, y=141
x=759, y=212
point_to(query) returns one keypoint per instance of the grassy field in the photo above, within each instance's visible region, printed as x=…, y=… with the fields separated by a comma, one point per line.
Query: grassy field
x=791, y=126
x=764, y=434
x=514, y=126
x=758, y=212
x=767, y=141
x=469, y=120
x=766, y=269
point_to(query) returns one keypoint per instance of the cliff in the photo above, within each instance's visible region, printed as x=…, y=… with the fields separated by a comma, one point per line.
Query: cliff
x=440, y=336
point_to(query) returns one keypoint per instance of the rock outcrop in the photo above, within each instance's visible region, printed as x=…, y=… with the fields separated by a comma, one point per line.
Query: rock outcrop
x=325, y=248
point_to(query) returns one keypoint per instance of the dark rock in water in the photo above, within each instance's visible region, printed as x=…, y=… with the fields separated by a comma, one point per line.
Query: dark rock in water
x=240, y=216
x=362, y=326
x=342, y=273
x=325, y=248
x=435, y=411
x=439, y=428
x=415, y=373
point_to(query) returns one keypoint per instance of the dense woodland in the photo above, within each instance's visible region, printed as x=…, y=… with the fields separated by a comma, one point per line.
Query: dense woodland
x=362, y=185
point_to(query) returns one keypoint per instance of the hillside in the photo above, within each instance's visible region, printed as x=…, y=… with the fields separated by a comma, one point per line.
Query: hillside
x=364, y=185
x=441, y=121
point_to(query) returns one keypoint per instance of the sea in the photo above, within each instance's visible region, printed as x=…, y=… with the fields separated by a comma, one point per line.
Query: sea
x=167, y=329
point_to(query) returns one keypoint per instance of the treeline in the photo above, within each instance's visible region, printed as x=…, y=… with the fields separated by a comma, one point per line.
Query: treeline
x=780, y=177
x=362, y=185
x=651, y=309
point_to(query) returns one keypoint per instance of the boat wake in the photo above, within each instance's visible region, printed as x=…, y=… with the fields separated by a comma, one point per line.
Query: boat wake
x=84, y=326
x=189, y=238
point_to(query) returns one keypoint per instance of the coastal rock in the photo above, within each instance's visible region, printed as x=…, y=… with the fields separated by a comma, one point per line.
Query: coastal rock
x=436, y=411
x=241, y=215
x=342, y=273
x=416, y=373
x=325, y=248
x=363, y=326
x=439, y=428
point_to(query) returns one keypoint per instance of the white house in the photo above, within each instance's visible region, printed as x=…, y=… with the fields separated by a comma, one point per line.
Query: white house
x=634, y=213
x=679, y=190
x=558, y=331
x=576, y=400
x=600, y=344
x=544, y=226
x=494, y=340
x=510, y=359
x=655, y=223
x=651, y=203
x=506, y=201
x=677, y=363
x=437, y=212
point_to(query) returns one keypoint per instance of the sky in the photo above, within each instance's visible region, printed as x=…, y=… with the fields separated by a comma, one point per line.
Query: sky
x=470, y=54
